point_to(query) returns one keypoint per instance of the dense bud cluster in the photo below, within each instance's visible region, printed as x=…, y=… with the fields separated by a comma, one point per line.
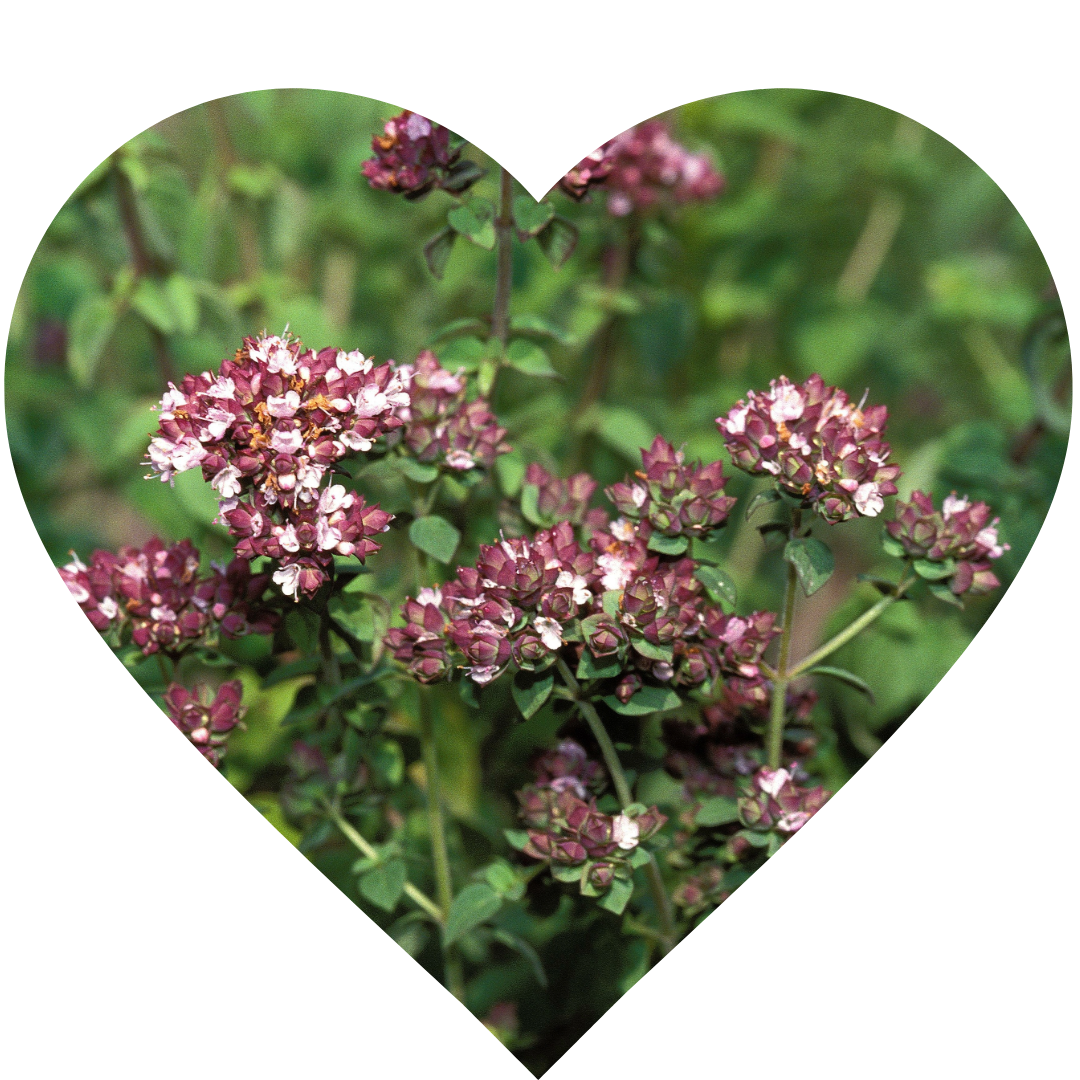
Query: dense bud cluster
x=565, y=500
x=568, y=768
x=513, y=605
x=676, y=499
x=267, y=431
x=526, y=599
x=700, y=890
x=441, y=426
x=158, y=593
x=960, y=538
x=776, y=801
x=642, y=168
x=206, y=718
x=568, y=831
x=816, y=445
x=412, y=156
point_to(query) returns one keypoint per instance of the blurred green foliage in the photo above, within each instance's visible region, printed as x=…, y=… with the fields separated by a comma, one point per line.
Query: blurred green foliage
x=849, y=241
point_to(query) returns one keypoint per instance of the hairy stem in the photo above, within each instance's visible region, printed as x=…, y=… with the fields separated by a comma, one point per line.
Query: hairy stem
x=421, y=899
x=625, y=797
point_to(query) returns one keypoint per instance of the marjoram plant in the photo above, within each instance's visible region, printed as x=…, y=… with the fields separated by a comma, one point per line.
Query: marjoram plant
x=615, y=618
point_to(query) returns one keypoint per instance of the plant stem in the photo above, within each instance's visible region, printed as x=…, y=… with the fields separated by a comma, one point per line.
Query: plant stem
x=607, y=747
x=774, y=737
x=853, y=628
x=625, y=796
x=504, y=237
x=422, y=900
x=440, y=857
x=504, y=279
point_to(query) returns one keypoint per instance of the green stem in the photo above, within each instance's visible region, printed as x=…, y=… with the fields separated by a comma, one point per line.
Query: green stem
x=625, y=797
x=849, y=631
x=422, y=900
x=504, y=275
x=774, y=738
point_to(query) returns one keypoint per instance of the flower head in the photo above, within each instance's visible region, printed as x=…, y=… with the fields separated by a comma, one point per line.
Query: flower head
x=206, y=717
x=816, y=445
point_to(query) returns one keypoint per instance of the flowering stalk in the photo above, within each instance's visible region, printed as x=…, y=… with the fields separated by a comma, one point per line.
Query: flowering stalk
x=504, y=234
x=775, y=735
x=622, y=790
x=421, y=899
x=853, y=628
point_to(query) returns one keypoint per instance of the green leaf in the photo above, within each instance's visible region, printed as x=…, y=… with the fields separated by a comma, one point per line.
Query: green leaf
x=893, y=547
x=476, y=222
x=530, y=216
x=516, y=838
x=610, y=602
x=462, y=175
x=530, y=509
x=435, y=536
x=501, y=877
x=718, y=585
x=934, y=570
x=468, y=325
x=306, y=665
x=639, y=857
x=668, y=545
x=883, y=585
x=813, y=562
x=510, y=469
x=184, y=301
x=943, y=592
x=91, y=326
x=623, y=430
x=303, y=628
x=617, y=896
x=649, y=699
x=566, y=874
x=762, y=498
x=530, y=692
x=589, y=667
x=718, y=810
x=383, y=885
x=472, y=906
x=844, y=677
x=152, y=302
x=437, y=251
x=417, y=471
x=463, y=352
x=558, y=239
x=653, y=652
x=534, y=324
x=529, y=358
x=520, y=945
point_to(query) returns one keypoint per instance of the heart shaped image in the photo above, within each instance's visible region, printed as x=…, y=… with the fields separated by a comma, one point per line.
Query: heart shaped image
x=539, y=569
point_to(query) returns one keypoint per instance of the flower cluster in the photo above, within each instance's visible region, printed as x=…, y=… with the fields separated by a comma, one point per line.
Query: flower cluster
x=960, y=538
x=568, y=768
x=776, y=801
x=266, y=431
x=563, y=500
x=567, y=830
x=816, y=444
x=441, y=426
x=711, y=754
x=206, y=718
x=412, y=156
x=641, y=168
x=514, y=604
x=700, y=890
x=676, y=499
x=158, y=592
